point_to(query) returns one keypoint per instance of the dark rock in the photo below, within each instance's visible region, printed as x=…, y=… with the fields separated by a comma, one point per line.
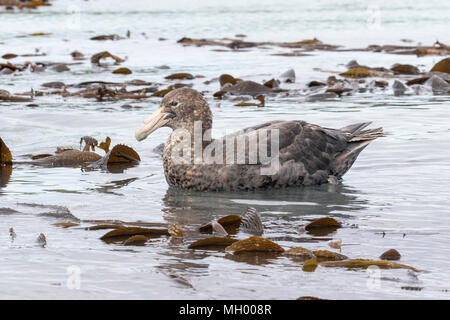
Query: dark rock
x=247, y=87
x=288, y=76
x=438, y=85
x=399, y=88
x=60, y=68
x=272, y=83
x=338, y=88
x=322, y=96
x=405, y=69
x=163, y=67
x=226, y=78
x=315, y=83
x=54, y=84
x=251, y=222
x=381, y=83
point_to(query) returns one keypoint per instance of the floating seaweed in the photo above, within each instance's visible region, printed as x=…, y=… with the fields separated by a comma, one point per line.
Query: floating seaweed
x=68, y=158
x=358, y=73
x=65, y=224
x=365, y=263
x=104, y=226
x=404, y=69
x=107, y=37
x=162, y=93
x=5, y=164
x=24, y=4
x=390, y=254
x=8, y=56
x=77, y=55
x=299, y=253
x=253, y=258
x=420, y=51
x=261, y=102
x=236, y=44
x=213, y=243
x=122, y=154
x=310, y=265
x=272, y=83
x=295, y=53
x=322, y=226
x=411, y=288
x=6, y=96
x=219, y=94
x=125, y=232
x=325, y=255
x=105, y=144
x=137, y=240
x=5, y=153
x=442, y=66
x=226, y=78
x=54, y=84
x=254, y=244
x=178, y=76
x=248, y=88
x=103, y=55
x=122, y=71
x=179, y=279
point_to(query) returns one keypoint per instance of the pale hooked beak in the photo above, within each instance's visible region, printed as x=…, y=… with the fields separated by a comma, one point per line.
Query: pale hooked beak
x=155, y=121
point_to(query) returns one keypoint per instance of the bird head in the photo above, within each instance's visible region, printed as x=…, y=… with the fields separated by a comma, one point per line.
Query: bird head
x=179, y=109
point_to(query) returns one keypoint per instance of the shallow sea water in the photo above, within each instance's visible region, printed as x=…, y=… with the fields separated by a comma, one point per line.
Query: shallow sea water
x=399, y=184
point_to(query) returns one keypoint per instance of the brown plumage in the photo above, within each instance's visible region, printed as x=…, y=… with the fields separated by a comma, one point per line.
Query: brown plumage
x=308, y=154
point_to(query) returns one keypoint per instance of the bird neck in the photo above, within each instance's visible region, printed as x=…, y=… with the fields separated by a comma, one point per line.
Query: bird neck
x=195, y=134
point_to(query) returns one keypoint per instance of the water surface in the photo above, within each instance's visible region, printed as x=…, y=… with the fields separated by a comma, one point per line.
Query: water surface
x=398, y=186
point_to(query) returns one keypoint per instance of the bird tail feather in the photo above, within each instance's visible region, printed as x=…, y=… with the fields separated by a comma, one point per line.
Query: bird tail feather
x=358, y=140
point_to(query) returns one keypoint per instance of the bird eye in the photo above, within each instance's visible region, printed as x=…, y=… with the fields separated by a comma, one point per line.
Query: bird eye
x=173, y=103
